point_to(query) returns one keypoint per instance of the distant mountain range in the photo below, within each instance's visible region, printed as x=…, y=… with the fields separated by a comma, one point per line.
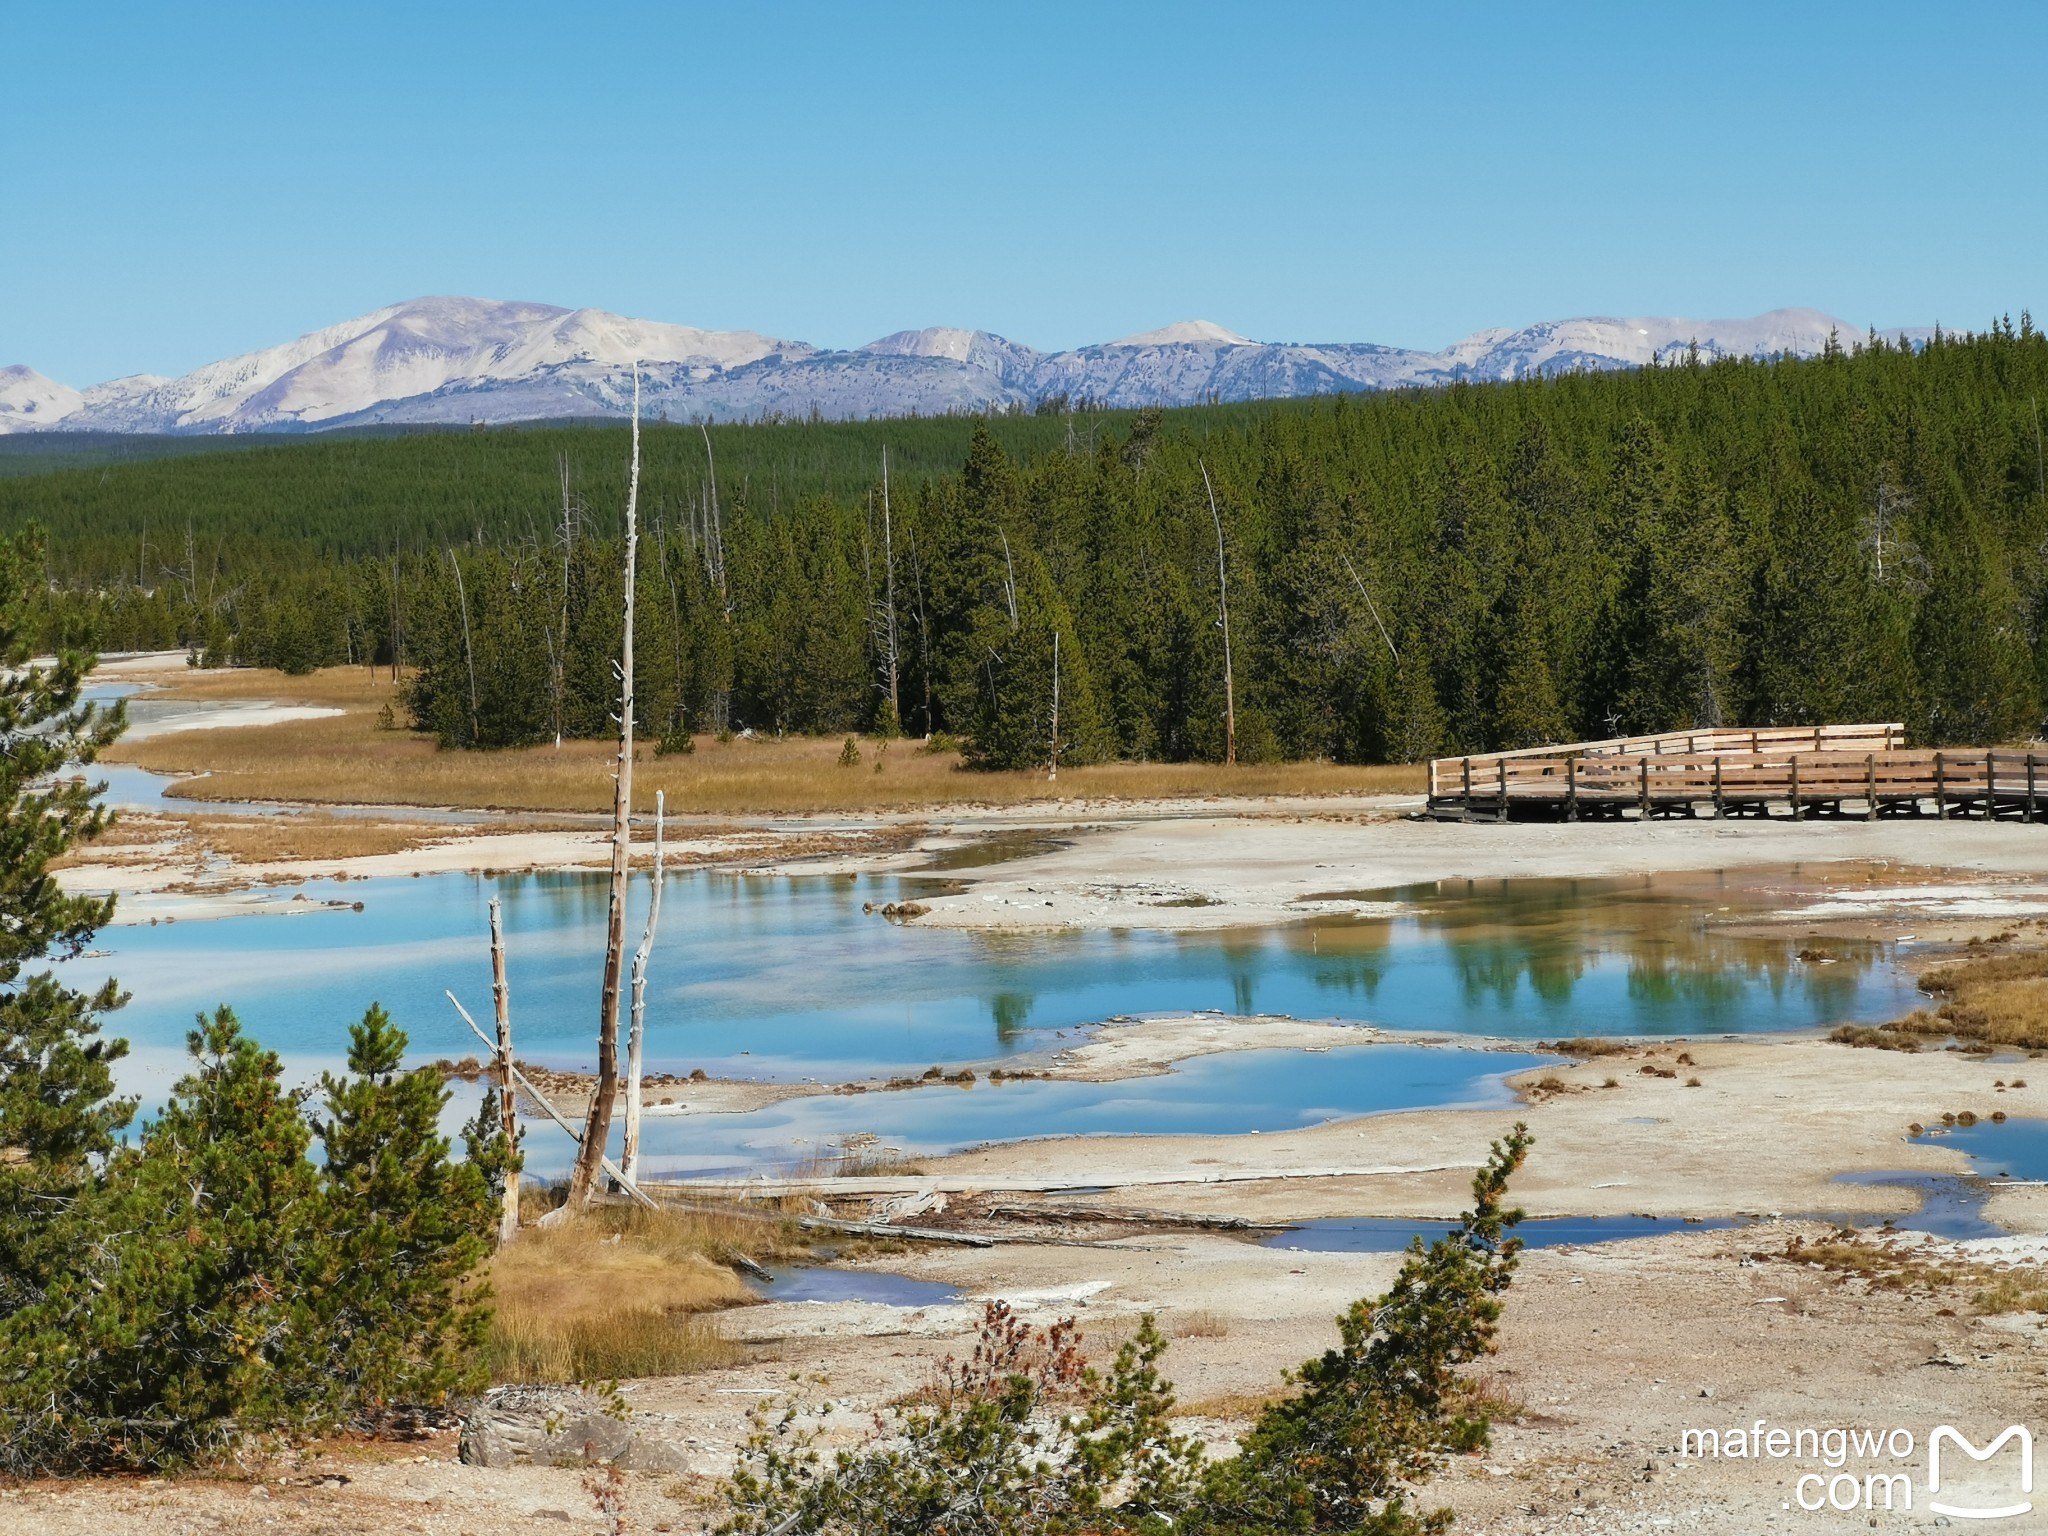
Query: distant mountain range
x=454, y=361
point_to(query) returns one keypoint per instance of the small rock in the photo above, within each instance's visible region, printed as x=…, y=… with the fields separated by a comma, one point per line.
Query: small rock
x=557, y=1426
x=1706, y=1391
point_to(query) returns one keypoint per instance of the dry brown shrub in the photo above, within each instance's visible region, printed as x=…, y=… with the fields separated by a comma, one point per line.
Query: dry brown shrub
x=1585, y=1046
x=1200, y=1325
x=1498, y=1396
x=1889, y=1038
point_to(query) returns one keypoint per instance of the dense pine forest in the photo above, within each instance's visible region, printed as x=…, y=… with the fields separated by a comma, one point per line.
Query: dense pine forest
x=1862, y=535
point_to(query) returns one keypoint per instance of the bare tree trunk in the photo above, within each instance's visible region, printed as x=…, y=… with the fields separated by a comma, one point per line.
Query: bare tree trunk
x=598, y=1127
x=508, y=1108
x=717, y=538
x=397, y=628
x=629, y=1157
x=889, y=597
x=1009, y=580
x=1052, y=762
x=1371, y=607
x=559, y=651
x=924, y=639
x=468, y=652
x=1223, y=601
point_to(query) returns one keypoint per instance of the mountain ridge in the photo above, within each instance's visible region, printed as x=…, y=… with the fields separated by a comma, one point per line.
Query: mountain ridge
x=455, y=361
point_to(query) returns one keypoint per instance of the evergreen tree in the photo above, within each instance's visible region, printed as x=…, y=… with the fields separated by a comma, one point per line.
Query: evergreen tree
x=1526, y=710
x=58, y=1115
x=188, y=1322
x=403, y=1226
x=1418, y=723
x=1380, y=1413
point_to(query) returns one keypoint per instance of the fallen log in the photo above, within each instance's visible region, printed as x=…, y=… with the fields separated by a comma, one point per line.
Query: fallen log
x=668, y=1201
x=1051, y=1211
x=760, y=1187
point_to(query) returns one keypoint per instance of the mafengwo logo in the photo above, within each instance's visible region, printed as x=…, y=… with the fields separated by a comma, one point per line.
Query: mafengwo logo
x=1873, y=1469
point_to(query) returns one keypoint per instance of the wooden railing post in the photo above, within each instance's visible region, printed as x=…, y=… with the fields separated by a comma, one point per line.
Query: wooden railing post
x=1940, y=788
x=1645, y=792
x=1990, y=788
x=1720, y=805
x=1571, y=788
x=1465, y=798
x=2030, y=786
x=1870, y=787
x=1795, y=787
x=1500, y=805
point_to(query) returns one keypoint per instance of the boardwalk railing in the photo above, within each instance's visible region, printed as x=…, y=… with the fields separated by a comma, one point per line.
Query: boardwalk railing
x=1446, y=774
x=1728, y=777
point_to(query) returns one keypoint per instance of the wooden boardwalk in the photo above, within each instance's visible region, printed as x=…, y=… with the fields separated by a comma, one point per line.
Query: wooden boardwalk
x=1799, y=771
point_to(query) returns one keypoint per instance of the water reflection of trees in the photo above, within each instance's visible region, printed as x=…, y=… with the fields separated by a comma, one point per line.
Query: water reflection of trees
x=1010, y=1010
x=1497, y=938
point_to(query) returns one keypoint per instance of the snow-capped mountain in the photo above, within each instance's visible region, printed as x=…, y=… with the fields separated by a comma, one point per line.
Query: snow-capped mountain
x=457, y=360
x=29, y=401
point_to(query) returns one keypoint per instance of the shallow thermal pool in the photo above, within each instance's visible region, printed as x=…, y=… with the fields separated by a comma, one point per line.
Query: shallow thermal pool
x=1233, y=1093
x=787, y=978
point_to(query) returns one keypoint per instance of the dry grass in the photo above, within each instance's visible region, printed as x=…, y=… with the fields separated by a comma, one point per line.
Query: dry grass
x=144, y=837
x=620, y=1293
x=1986, y=1000
x=1200, y=1325
x=2012, y=1293
x=1996, y=999
x=346, y=758
x=264, y=839
x=615, y=1346
x=1880, y=1266
x=1232, y=1407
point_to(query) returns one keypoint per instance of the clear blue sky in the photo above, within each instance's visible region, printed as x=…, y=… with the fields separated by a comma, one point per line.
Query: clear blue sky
x=182, y=182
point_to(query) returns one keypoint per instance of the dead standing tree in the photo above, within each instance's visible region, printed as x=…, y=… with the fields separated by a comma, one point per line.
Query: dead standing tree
x=892, y=656
x=508, y=1104
x=882, y=614
x=1052, y=761
x=629, y=1155
x=597, y=1126
x=558, y=649
x=1223, y=603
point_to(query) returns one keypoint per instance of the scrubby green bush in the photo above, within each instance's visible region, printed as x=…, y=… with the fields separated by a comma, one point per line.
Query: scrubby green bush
x=1025, y=1440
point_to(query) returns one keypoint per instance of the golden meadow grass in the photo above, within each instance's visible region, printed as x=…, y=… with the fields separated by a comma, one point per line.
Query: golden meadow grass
x=347, y=758
x=621, y=1292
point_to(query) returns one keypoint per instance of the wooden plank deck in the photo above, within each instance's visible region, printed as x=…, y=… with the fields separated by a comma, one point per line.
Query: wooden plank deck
x=1854, y=771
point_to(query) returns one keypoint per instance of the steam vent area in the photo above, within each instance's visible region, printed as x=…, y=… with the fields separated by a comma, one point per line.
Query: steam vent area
x=1800, y=772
